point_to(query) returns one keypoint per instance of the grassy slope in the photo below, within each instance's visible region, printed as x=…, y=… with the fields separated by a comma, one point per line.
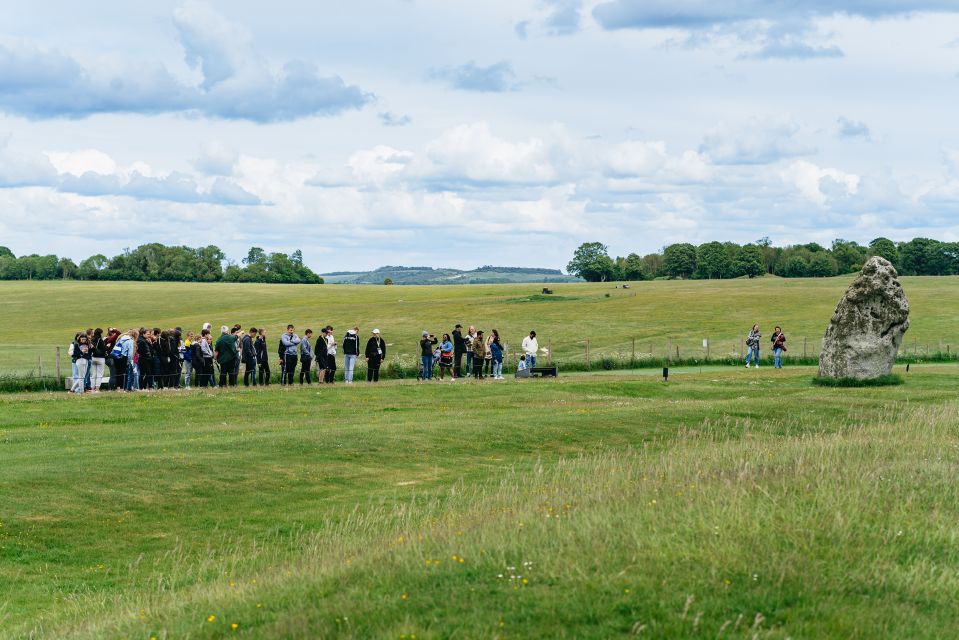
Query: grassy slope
x=720, y=505
x=37, y=316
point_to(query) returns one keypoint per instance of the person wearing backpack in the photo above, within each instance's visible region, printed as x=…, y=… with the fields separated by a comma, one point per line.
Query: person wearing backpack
x=262, y=358
x=351, y=351
x=289, y=342
x=752, y=346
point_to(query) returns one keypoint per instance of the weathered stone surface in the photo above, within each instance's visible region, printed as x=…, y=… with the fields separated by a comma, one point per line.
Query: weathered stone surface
x=865, y=332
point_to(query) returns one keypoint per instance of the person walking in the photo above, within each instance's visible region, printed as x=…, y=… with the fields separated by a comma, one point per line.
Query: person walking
x=248, y=351
x=289, y=342
x=351, y=351
x=225, y=353
x=262, y=356
x=426, y=354
x=83, y=353
x=306, y=356
x=530, y=348
x=479, y=355
x=459, y=350
x=779, y=346
x=496, y=355
x=98, y=359
x=329, y=362
x=447, y=351
x=752, y=346
x=375, y=355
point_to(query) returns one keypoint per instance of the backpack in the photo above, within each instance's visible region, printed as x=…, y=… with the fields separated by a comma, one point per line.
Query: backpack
x=117, y=350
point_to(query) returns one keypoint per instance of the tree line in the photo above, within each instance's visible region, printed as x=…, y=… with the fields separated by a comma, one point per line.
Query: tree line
x=720, y=260
x=157, y=262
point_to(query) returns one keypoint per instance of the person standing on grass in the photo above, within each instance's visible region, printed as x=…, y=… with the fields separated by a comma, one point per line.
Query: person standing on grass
x=306, y=357
x=459, y=350
x=237, y=333
x=375, y=355
x=226, y=356
x=426, y=354
x=468, y=345
x=113, y=335
x=446, y=356
x=83, y=352
x=530, y=348
x=496, y=355
x=329, y=362
x=262, y=356
x=206, y=359
x=289, y=342
x=752, y=346
x=248, y=351
x=145, y=359
x=98, y=359
x=72, y=352
x=488, y=361
x=186, y=352
x=479, y=355
x=779, y=345
x=351, y=351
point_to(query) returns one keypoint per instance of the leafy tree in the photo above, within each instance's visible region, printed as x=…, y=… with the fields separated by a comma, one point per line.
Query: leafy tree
x=66, y=268
x=795, y=267
x=388, y=281
x=634, y=268
x=750, y=261
x=6, y=253
x=591, y=262
x=885, y=248
x=255, y=255
x=712, y=260
x=654, y=264
x=849, y=256
x=924, y=257
x=822, y=265
x=679, y=260
x=90, y=268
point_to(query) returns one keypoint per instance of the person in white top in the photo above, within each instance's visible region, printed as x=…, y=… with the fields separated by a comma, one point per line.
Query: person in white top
x=330, y=356
x=530, y=348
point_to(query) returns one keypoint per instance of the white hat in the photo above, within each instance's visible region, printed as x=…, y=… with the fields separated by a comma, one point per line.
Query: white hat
x=352, y=332
x=426, y=333
x=376, y=330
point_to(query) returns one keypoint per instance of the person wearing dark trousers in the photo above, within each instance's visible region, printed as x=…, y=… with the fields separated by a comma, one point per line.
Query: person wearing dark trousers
x=204, y=357
x=329, y=362
x=375, y=355
x=158, y=369
x=459, y=349
x=306, y=357
x=248, y=352
x=427, y=343
x=289, y=343
x=479, y=355
x=145, y=359
x=226, y=355
x=262, y=357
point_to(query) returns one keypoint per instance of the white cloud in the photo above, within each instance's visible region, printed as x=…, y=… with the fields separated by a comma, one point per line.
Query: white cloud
x=819, y=184
x=756, y=141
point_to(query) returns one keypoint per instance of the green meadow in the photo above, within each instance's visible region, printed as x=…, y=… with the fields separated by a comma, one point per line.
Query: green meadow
x=644, y=320
x=727, y=503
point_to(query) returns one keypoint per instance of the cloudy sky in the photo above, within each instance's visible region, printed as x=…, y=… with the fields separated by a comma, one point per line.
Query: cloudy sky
x=459, y=134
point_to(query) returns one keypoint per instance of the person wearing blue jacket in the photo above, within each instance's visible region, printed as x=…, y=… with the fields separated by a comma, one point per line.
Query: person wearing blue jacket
x=496, y=350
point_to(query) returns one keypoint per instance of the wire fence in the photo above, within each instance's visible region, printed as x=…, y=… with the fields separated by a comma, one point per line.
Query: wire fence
x=49, y=367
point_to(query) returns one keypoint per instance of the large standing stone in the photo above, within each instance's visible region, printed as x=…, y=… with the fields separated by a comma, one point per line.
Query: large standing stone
x=865, y=332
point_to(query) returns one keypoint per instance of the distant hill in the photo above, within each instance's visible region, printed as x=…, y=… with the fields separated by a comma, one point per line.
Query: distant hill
x=429, y=275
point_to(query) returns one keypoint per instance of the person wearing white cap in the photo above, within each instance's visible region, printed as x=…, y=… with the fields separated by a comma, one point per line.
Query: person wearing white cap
x=375, y=355
x=351, y=351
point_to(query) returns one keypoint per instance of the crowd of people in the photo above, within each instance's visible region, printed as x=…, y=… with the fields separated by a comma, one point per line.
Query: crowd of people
x=148, y=359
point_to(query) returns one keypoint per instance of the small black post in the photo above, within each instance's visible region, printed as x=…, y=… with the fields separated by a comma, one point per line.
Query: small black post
x=665, y=374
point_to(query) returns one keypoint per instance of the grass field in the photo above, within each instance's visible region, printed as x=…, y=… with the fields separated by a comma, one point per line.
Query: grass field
x=38, y=316
x=724, y=504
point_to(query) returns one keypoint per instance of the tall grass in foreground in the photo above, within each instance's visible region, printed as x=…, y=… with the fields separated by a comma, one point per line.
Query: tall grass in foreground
x=847, y=531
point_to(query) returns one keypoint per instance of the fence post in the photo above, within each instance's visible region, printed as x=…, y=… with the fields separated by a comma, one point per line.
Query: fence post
x=677, y=352
x=59, y=380
x=804, y=348
x=588, y=364
x=632, y=360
